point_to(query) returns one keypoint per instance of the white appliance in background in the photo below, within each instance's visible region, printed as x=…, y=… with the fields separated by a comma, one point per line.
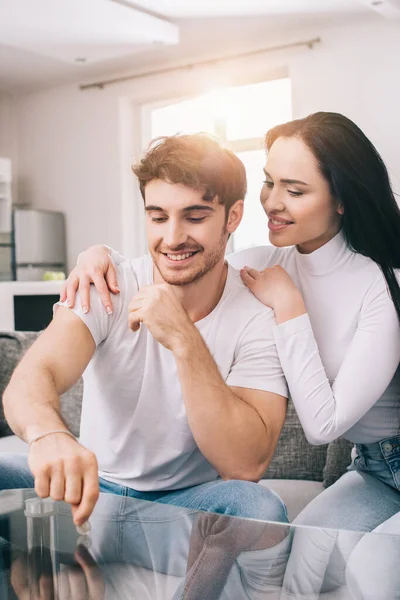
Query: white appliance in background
x=5, y=195
x=27, y=305
x=39, y=242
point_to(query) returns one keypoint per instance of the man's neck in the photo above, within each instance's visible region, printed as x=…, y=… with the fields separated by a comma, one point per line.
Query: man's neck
x=201, y=297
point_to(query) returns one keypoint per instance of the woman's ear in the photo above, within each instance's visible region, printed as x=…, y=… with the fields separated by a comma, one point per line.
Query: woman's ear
x=340, y=209
x=235, y=215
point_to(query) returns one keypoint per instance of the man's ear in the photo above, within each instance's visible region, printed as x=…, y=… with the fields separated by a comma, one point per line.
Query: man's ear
x=235, y=215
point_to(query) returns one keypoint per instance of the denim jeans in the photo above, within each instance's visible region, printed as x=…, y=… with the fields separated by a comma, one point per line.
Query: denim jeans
x=235, y=498
x=360, y=501
x=214, y=550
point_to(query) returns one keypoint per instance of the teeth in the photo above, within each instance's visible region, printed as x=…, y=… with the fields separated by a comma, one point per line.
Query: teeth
x=179, y=256
x=279, y=222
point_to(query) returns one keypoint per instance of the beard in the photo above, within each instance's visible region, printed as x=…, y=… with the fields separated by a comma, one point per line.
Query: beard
x=203, y=261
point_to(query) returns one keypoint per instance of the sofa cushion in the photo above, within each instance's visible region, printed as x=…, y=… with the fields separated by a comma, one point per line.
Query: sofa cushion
x=338, y=458
x=294, y=457
x=295, y=494
x=13, y=344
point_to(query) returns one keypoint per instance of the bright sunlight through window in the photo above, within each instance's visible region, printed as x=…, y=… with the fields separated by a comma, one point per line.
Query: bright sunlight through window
x=240, y=117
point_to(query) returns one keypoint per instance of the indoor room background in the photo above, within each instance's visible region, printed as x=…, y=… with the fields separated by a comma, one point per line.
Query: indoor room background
x=231, y=68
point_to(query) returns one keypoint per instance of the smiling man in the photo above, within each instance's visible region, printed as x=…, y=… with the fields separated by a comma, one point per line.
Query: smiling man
x=184, y=395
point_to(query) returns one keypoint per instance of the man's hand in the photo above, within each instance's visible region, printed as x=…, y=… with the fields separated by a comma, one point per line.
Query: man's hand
x=75, y=582
x=94, y=266
x=157, y=307
x=64, y=470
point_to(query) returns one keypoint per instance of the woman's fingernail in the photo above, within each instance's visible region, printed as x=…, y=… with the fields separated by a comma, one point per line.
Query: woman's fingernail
x=84, y=308
x=69, y=303
x=109, y=310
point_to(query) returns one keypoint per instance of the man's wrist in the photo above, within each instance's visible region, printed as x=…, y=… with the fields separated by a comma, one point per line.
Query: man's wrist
x=44, y=434
x=185, y=341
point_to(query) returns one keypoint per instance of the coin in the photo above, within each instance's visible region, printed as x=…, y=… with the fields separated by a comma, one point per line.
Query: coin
x=83, y=529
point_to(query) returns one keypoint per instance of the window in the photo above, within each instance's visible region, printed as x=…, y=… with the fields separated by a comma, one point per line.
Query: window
x=239, y=116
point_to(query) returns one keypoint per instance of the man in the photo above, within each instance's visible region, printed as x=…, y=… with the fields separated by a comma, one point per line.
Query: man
x=184, y=396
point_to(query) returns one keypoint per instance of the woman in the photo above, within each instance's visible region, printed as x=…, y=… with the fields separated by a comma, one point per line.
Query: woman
x=331, y=280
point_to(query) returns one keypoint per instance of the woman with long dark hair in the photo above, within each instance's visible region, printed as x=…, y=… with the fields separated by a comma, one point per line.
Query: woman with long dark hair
x=331, y=277
x=327, y=195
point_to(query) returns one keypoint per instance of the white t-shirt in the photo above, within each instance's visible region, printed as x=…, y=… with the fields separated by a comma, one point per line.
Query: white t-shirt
x=133, y=413
x=341, y=360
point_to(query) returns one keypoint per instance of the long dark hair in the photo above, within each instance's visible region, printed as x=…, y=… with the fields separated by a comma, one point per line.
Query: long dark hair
x=359, y=181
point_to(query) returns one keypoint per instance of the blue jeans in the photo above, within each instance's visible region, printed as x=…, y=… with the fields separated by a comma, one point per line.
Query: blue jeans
x=211, y=550
x=235, y=498
x=360, y=501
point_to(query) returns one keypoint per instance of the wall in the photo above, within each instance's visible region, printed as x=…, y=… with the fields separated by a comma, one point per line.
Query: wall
x=8, y=136
x=75, y=147
x=68, y=146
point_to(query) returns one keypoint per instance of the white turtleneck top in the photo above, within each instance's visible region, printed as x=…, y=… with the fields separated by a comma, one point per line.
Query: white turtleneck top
x=341, y=359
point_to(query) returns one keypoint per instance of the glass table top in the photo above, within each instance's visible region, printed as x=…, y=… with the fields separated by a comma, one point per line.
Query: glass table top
x=139, y=550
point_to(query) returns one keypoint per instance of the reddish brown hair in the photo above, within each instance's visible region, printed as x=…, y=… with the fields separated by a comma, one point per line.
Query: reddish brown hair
x=197, y=161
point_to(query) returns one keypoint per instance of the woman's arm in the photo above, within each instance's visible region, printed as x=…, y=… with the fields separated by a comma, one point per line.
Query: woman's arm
x=326, y=411
x=95, y=265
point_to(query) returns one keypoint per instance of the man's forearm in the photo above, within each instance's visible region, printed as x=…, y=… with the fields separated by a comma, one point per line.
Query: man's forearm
x=229, y=432
x=51, y=366
x=31, y=402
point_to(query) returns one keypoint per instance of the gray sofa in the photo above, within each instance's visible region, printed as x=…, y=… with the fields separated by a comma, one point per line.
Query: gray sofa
x=298, y=471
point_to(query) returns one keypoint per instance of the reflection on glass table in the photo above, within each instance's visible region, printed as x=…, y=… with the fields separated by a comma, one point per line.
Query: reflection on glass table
x=148, y=551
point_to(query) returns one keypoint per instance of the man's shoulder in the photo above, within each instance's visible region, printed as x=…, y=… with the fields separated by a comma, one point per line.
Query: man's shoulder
x=242, y=302
x=140, y=266
x=134, y=273
x=260, y=257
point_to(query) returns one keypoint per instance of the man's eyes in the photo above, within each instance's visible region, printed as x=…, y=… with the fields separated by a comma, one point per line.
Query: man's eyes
x=190, y=219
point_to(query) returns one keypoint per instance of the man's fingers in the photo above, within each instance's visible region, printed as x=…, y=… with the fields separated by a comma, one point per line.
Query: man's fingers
x=77, y=585
x=90, y=493
x=42, y=484
x=84, y=559
x=20, y=579
x=135, y=316
x=93, y=574
x=104, y=292
x=134, y=320
x=63, y=583
x=57, y=482
x=46, y=587
x=111, y=279
x=73, y=488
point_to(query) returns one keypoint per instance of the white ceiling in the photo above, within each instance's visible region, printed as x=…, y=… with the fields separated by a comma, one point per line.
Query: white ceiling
x=41, y=40
x=93, y=30
x=178, y=9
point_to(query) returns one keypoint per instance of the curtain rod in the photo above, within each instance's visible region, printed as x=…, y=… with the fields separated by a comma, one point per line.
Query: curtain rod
x=102, y=84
